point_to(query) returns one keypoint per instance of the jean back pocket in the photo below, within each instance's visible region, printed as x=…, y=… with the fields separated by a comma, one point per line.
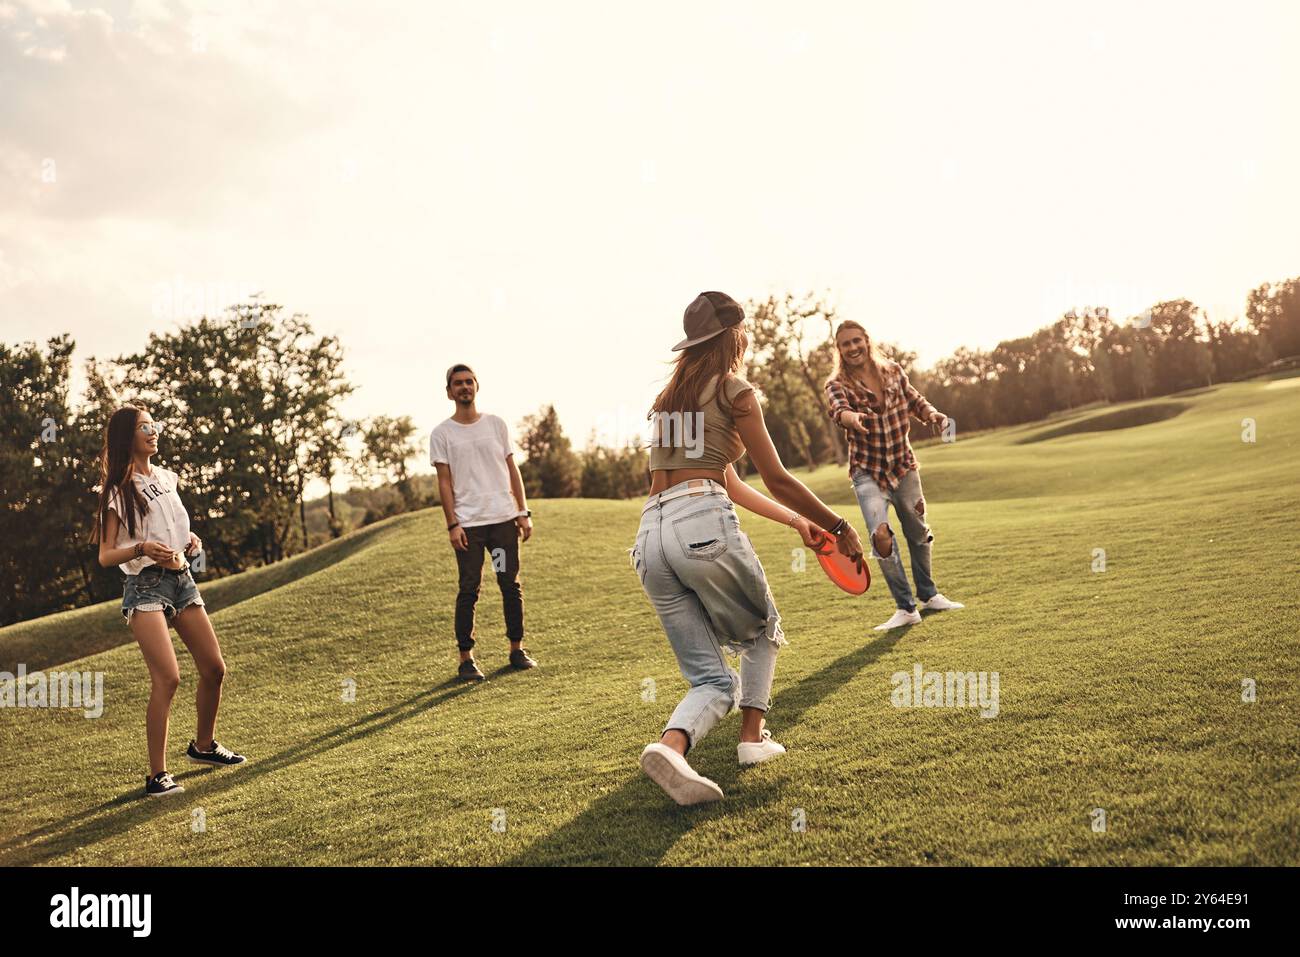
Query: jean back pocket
x=702, y=534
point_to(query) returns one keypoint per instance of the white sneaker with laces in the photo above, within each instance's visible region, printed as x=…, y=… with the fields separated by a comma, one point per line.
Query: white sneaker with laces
x=939, y=603
x=680, y=781
x=900, y=618
x=752, y=752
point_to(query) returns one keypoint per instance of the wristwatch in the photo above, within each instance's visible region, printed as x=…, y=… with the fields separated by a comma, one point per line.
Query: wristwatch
x=527, y=513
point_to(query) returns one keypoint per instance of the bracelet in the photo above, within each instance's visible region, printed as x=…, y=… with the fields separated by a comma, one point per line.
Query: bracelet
x=839, y=528
x=790, y=521
x=139, y=549
x=452, y=525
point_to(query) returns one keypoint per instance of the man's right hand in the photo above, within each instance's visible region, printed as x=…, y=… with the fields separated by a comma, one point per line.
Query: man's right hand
x=459, y=540
x=853, y=420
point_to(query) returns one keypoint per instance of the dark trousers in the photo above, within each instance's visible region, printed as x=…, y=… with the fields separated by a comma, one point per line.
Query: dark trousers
x=501, y=543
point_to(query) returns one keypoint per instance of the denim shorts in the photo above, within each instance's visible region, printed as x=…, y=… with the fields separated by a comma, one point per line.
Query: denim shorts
x=155, y=589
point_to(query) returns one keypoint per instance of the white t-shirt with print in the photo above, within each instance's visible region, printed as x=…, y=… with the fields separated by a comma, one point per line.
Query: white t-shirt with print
x=480, y=477
x=164, y=519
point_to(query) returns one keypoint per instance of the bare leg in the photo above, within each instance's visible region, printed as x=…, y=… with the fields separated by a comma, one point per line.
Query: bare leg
x=676, y=740
x=751, y=724
x=196, y=631
x=150, y=630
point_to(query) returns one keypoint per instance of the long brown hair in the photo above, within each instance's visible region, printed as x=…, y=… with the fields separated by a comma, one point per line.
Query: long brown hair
x=115, y=471
x=874, y=355
x=694, y=366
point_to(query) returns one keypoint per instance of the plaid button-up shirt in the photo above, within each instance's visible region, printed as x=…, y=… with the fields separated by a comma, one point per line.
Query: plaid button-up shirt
x=884, y=451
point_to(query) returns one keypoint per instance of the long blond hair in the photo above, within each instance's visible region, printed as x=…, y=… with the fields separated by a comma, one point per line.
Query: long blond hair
x=874, y=355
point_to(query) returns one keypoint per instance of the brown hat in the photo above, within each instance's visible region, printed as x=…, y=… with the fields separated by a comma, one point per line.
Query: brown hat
x=707, y=316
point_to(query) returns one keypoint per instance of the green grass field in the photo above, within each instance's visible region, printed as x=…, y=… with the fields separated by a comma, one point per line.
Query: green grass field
x=1119, y=690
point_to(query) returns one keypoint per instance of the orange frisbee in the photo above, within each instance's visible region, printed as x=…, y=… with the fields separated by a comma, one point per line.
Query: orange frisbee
x=848, y=574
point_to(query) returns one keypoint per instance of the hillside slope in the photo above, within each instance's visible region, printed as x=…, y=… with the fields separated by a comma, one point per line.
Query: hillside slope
x=1119, y=690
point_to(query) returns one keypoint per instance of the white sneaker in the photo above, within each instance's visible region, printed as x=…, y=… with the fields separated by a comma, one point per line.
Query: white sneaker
x=669, y=770
x=900, y=619
x=752, y=752
x=939, y=603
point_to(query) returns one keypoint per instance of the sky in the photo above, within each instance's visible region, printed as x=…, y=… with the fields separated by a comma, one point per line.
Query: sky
x=539, y=190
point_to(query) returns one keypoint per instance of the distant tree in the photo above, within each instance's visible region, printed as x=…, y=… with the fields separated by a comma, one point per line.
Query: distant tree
x=324, y=459
x=46, y=462
x=1180, y=357
x=388, y=450
x=1232, y=350
x=791, y=354
x=1273, y=311
x=1103, y=365
x=550, y=469
x=243, y=399
x=612, y=472
x=1140, y=371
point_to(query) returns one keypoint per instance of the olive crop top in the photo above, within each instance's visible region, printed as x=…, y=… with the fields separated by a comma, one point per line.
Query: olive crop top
x=707, y=439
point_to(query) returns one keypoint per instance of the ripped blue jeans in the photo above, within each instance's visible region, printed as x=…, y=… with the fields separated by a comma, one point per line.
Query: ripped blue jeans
x=875, y=503
x=708, y=588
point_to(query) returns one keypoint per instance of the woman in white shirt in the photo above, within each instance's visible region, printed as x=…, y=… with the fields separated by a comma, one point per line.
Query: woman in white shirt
x=142, y=527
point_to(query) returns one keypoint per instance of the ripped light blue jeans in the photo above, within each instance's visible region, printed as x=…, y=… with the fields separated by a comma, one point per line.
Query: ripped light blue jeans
x=708, y=588
x=875, y=503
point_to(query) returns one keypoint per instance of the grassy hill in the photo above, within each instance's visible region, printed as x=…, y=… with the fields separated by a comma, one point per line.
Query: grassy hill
x=1119, y=689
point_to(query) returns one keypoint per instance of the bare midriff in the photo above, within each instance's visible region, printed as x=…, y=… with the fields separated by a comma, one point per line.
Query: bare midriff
x=666, y=478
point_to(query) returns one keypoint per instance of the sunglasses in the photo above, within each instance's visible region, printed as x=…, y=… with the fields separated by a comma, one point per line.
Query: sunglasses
x=150, y=428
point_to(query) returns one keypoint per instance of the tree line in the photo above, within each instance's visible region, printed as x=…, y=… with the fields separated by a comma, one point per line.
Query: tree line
x=250, y=405
x=252, y=398
x=1085, y=357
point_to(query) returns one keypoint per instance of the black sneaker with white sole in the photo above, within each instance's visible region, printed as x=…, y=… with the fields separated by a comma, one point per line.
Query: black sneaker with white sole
x=161, y=785
x=219, y=756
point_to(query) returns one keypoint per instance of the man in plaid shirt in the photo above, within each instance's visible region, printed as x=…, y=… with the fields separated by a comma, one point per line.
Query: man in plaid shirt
x=871, y=399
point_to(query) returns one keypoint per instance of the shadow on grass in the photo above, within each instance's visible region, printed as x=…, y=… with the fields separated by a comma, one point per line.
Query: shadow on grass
x=637, y=824
x=132, y=808
x=1128, y=418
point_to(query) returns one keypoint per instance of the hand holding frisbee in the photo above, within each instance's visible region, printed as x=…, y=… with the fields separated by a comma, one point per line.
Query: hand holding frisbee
x=849, y=573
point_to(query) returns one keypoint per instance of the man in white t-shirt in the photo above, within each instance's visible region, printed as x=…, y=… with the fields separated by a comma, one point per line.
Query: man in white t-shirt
x=482, y=497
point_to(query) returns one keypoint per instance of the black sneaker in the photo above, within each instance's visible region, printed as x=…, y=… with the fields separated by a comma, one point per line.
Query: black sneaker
x=469, y=671
x=161, y=785
x=520, y=661
x=219, y=756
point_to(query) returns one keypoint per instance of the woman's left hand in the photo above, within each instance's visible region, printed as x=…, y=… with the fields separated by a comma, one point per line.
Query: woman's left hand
x=195, y=546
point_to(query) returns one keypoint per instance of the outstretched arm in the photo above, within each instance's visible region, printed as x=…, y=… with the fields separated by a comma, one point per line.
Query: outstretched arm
x=750, y=498
x=785, y=488
x=918, y=405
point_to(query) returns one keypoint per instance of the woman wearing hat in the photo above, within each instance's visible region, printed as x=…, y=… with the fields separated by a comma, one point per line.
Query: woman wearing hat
x=697, y=567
